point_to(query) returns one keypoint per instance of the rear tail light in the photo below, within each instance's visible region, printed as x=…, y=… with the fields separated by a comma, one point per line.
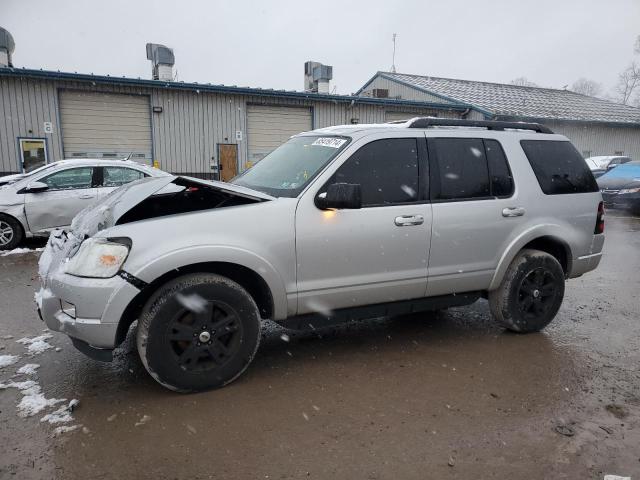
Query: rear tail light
x=600, y=219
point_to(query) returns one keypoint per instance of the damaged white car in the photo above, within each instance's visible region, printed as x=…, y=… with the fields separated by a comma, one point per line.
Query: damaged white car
x=33, y=204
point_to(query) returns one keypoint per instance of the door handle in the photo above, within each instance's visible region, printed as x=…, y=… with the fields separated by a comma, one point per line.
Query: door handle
x=408, y=220
x=86, y=196
x=513, y=212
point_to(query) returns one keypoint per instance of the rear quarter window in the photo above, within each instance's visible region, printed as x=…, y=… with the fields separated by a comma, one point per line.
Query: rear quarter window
x=559, y=167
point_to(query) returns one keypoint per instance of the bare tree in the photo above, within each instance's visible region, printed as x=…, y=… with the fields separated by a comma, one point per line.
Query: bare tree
x=628, y=87
x=523, y=82
x=587, y=87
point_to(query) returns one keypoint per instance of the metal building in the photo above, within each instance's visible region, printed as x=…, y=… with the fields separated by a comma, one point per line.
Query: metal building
x=189, y=128
x=595, y=126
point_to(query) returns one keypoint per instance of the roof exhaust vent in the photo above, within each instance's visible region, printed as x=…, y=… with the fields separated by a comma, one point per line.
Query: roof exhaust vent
x=162, y=61
x=7, y=45
x=316, y=77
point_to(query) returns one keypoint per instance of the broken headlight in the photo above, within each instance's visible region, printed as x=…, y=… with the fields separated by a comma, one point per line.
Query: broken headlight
x=98, y=258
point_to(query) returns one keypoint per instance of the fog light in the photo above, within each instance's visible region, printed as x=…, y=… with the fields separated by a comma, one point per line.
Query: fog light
x=68, y=308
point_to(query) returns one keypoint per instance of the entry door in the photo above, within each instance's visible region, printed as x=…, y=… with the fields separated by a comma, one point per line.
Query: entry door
x=227, y=161
x=69, y=192
x=33, y=153
x=376, y=254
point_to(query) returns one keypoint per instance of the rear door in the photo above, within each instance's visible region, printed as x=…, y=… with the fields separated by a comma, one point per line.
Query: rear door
x=70, y=190
x=113, y=177
x=376, y=254
x=474, y=212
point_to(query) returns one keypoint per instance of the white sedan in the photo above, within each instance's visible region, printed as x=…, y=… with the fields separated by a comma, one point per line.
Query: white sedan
x=51, y=196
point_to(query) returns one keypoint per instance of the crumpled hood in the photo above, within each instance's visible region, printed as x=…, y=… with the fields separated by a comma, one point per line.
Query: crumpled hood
x=106, y=212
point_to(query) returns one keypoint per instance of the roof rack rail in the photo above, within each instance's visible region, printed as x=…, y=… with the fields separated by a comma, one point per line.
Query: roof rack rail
x=427, y=122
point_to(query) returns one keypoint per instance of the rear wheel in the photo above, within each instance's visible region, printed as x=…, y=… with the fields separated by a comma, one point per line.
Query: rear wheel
x=10, y=233
x=198, y=332
x=530, y=294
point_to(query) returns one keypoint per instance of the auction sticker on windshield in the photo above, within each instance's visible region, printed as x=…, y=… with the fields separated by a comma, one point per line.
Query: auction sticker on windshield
x=329, y=142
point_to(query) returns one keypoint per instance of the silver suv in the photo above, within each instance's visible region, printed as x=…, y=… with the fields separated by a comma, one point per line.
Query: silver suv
x=336, y=224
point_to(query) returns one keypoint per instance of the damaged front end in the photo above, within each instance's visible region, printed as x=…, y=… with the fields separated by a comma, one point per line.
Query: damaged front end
x=83, y=292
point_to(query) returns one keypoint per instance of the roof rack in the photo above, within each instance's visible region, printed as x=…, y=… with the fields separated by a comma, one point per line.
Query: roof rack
x=427, y=122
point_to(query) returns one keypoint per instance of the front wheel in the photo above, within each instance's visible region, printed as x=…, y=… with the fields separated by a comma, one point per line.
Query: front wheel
x=10, y=233
x=530, y=294
x=198, y=332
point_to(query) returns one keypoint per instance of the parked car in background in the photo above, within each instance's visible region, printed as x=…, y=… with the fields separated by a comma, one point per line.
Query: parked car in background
x=596, y=169
x=52, y=195
x=609, y=161
x=333, y=225
x=620, y=187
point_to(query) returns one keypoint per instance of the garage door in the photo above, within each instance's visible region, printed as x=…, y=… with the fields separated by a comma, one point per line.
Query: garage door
x=105, y=125
x=395, y=116
x=269, y=127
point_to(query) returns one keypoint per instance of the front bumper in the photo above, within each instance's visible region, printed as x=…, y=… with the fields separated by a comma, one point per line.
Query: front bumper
x=99, y=305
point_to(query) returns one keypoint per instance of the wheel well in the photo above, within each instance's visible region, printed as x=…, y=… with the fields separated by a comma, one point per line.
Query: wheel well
x=253, y=283
x=555, y=247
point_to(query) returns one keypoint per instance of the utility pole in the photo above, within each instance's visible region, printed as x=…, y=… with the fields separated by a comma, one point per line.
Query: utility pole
x=393, y=61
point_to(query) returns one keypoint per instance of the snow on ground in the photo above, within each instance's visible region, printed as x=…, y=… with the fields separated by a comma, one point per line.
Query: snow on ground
x=64, y=429
x=28, y=369
x=6, y=360
x=16, y=251
x=33, y=400
x=62, y=414
x=37, y=344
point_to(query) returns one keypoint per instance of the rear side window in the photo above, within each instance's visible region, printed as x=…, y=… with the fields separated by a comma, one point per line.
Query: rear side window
x=559, y=167
x=460, y=168
x=387, y=171
x=501, y=179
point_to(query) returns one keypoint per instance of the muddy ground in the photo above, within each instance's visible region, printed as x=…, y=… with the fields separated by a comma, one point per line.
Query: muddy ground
x=445, y=395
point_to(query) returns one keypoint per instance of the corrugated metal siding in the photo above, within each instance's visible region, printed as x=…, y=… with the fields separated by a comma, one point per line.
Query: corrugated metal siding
x=270, y=126
x=24, y=107
x=105, y=124
x=190, y=126
x=400, y=91
x=600, y=139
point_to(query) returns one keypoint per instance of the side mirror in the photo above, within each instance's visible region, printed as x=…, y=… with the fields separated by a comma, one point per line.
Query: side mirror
x=35, y=187
x=340, y=195
x=611, y=167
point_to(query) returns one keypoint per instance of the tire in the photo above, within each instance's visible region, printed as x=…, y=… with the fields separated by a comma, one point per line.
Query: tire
x=530, y=294
x=10, y=233
x=198, y=332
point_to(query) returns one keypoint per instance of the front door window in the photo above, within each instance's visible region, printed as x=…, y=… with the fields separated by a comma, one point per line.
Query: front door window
x=33, y=153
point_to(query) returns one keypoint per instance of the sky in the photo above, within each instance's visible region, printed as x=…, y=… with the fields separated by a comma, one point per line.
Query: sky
x=265, y=43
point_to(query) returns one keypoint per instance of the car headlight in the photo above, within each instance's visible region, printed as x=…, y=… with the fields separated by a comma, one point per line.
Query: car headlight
x=630, y=190
x=98, y=258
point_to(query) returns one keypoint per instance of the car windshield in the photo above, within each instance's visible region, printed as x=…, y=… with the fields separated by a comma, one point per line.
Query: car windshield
x=290, y=167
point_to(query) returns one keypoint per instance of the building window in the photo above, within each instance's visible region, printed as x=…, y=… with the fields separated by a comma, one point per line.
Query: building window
x=33, y=153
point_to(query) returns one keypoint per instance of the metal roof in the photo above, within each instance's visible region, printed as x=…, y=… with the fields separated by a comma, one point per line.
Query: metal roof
x=504, y=100
x=224, y=89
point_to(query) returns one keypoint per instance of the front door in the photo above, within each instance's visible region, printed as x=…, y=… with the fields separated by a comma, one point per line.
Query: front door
x=227, y=161
x=69, y=191
x=33, y=153
x=376, y=254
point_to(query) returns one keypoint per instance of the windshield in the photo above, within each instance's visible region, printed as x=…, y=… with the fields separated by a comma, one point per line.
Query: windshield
x=290, y=167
